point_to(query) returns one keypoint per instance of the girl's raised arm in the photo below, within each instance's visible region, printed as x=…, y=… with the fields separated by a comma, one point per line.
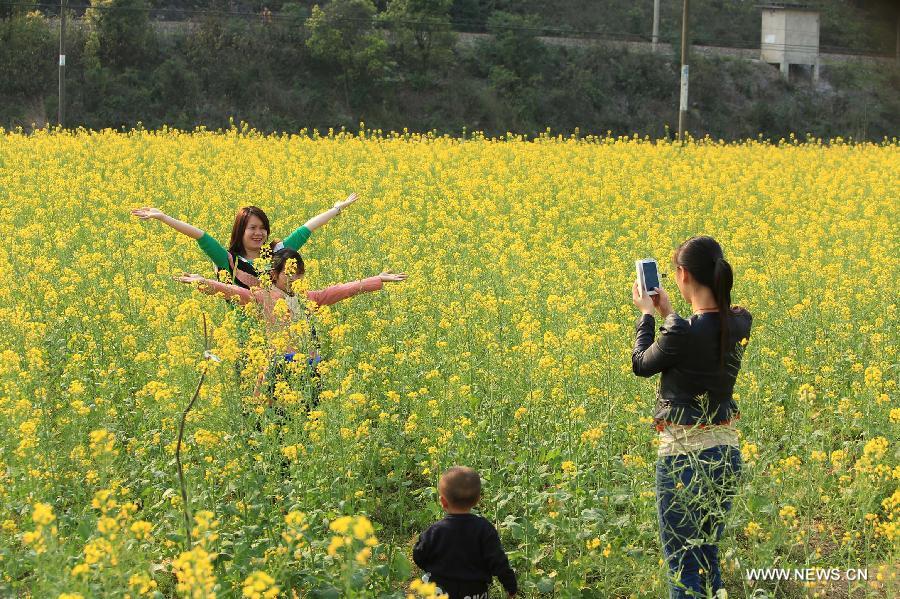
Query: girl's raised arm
x=148, y=213
x=210, y=246
x=300, y=236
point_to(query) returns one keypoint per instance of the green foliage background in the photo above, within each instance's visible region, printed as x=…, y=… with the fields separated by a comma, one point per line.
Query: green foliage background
x=398, y=64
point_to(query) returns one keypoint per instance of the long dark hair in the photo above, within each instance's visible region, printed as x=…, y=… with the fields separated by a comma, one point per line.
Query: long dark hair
x=236, y=244
x=280, y=260
x=702, y=256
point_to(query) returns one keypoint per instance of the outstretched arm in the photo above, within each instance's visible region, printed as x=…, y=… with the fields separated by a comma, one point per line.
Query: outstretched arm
x=184, y=228
x=210, y=287
x=335, y=293
x=319, y=220
x=296, y=239
x=210, y=246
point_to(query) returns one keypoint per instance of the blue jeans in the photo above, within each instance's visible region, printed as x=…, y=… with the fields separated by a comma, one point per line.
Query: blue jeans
x=313, y=381
x=694, y=492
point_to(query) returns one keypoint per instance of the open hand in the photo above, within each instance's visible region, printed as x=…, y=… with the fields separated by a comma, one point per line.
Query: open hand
x=389, y=277
x=350, y=199
x=188, y=278
x=147, y=212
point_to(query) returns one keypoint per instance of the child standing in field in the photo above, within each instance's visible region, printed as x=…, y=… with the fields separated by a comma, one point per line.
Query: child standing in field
x=462, y=553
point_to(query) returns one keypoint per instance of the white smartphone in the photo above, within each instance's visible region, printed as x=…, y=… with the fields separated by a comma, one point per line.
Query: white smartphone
x=647, y=275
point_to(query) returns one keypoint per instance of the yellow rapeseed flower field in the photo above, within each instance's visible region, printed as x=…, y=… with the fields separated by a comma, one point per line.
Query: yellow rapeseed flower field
x=507, y=350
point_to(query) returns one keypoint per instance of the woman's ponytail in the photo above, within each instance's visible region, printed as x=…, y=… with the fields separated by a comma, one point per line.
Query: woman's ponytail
x=723, y=279
x=702, y=256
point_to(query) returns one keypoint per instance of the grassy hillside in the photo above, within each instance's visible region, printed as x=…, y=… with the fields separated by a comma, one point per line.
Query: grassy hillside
x=267, y=74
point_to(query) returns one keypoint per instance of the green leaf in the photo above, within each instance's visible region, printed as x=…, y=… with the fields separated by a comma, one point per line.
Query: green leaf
x=545, y=585
x=328, y=592
x=400, y=566
x=358, y=579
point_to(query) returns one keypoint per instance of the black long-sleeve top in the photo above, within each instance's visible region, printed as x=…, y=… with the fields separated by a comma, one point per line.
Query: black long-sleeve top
x=693, y=387
x=463, y=553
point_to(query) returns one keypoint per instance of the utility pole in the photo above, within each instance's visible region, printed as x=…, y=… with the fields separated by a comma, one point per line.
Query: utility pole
x=683, y=104
x=655, y=25
x=61, y=114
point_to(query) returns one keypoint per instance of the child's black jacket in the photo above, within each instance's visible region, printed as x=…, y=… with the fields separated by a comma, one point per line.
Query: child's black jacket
x=463, y=551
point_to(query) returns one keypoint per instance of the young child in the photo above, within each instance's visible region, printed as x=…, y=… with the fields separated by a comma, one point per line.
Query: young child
x=462, y=552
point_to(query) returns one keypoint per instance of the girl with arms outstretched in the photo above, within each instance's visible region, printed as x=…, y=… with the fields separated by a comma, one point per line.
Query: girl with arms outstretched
x=249, y=235
x=288, y=267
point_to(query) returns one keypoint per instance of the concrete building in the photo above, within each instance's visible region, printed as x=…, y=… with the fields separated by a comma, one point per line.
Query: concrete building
x=790, y=37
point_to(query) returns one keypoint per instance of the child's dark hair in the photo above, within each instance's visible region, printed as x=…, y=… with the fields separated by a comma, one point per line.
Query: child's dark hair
x=702, y=256
x=280, y=260
x=461, y=487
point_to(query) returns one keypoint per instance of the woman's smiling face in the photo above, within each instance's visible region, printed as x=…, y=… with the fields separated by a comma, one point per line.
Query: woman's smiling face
x=255, y=235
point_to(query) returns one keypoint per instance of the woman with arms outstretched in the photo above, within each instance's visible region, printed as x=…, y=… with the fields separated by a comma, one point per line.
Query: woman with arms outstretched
x=249, y=234
x=287, y=267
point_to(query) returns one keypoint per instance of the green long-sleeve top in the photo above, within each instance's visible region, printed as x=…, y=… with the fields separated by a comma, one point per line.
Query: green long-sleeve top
x=240, y=269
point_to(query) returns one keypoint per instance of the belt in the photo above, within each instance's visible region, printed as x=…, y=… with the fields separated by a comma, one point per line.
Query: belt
x=662, y=424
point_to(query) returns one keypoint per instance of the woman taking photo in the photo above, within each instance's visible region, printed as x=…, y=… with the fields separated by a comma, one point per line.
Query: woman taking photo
x=699, y=460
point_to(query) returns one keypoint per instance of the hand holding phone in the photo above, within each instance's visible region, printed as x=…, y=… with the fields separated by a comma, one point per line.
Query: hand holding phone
x=647, y=276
